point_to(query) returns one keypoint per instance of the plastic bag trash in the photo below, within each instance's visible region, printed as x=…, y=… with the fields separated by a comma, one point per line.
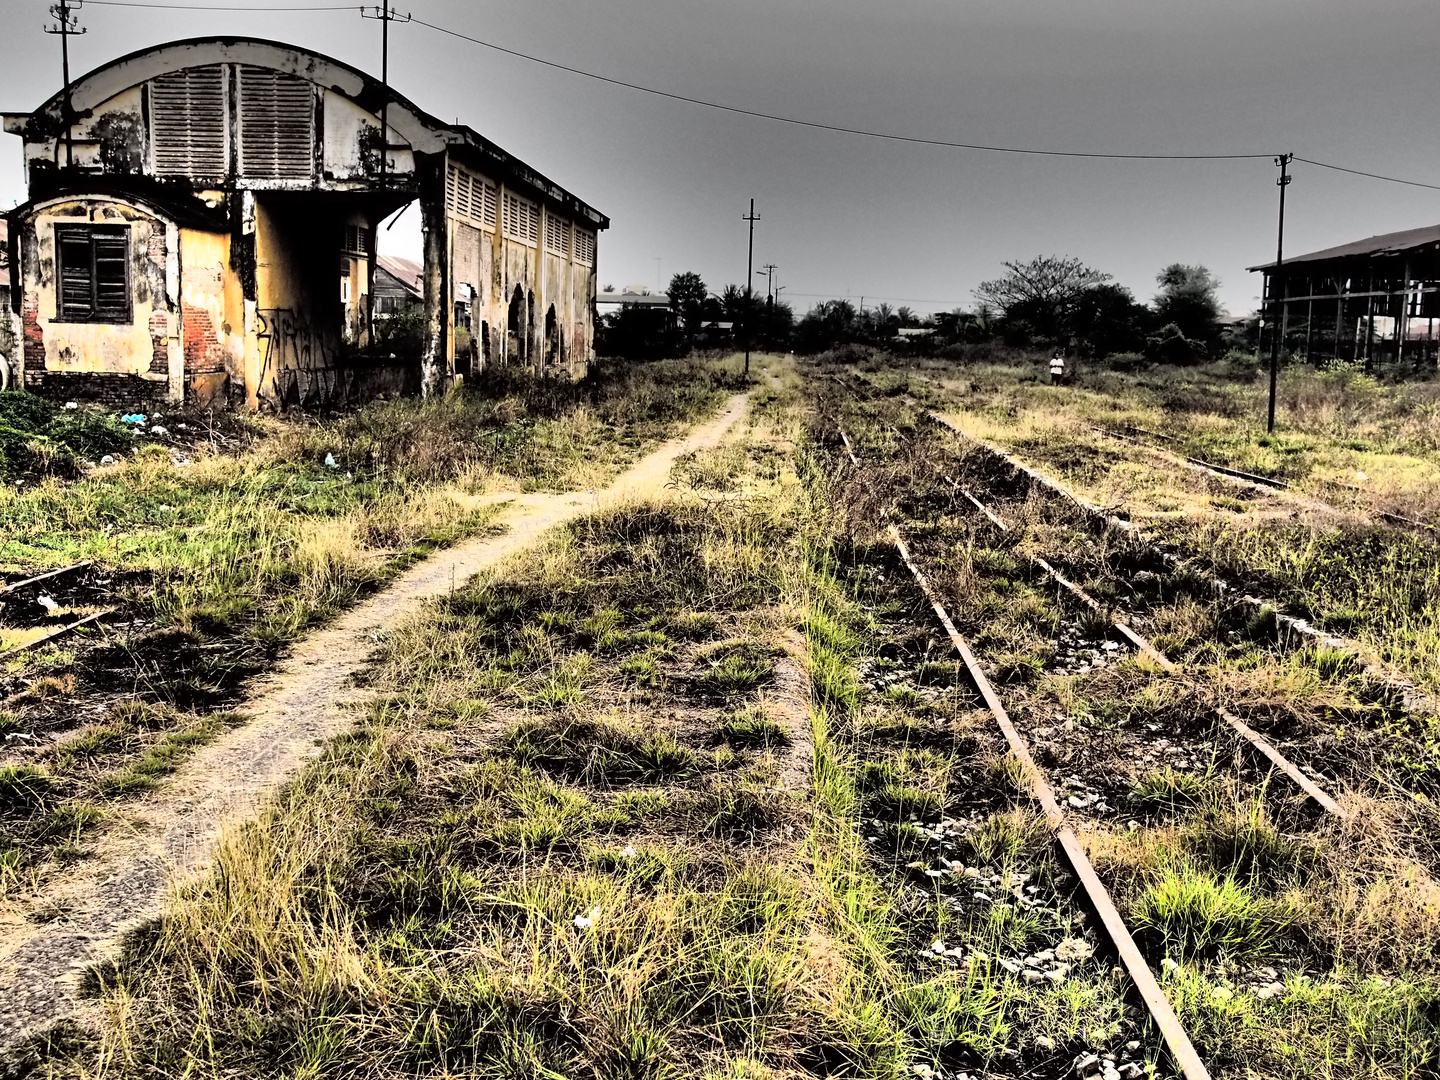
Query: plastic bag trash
x=158, y=430
x=72, y=405
x=584, y=922
x=107, y=460
x=330, y=462
x=48, y=603
x=133, y=418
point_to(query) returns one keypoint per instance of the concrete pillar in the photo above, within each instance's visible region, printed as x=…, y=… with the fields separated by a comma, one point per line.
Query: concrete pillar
x=430, y=172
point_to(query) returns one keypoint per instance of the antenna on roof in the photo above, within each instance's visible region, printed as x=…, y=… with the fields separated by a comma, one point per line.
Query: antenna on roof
x=386, y=15
x=66, y=24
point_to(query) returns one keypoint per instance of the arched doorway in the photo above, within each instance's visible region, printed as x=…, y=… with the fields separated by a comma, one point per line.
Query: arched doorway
x=529, y=328
x=552, y=338
x=515, y=331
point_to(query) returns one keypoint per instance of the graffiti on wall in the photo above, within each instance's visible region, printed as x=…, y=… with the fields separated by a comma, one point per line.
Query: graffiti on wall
x=297, y=364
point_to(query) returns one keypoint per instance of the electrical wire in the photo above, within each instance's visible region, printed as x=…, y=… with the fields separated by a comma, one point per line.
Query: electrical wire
x=775, y=117
x=1371, y=175
x=840, y=128
x=221, y=7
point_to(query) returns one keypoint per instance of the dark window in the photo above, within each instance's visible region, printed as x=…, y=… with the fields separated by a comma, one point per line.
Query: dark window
x=94, y=265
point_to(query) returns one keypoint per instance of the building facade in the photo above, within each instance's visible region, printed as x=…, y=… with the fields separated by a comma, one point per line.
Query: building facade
x=201, y=226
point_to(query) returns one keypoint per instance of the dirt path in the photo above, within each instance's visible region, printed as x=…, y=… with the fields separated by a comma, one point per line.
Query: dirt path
x=293, y=711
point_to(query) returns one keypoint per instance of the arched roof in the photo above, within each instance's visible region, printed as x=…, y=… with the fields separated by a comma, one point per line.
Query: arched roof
x=424, y=132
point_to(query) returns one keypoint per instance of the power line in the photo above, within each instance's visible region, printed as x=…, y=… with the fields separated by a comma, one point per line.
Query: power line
x=775, y=117
x=225, y=7
x=888, y=136
x=1371, y=175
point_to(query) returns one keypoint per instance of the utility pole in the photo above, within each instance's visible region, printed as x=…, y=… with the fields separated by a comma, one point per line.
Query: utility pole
x=769, y=271
x=66, y=24
x=1276, y=318
x=751, y=217
x=386, y=15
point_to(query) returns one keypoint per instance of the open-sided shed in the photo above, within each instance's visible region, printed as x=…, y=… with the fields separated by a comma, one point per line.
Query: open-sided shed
x=1369, y=300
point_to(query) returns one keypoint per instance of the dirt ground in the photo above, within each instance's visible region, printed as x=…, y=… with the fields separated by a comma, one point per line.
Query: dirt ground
x=307, y=699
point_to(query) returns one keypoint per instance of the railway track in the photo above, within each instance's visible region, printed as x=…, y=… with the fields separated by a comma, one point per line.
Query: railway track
x=1065, y=815
x=1259, y=480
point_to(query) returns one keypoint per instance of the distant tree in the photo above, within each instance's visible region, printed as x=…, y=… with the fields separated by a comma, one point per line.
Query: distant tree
x=1189, y=298
x=638, y=333
x=906, y=316
x=687, y=294
x=1040, y=293
x=1106, y=319
x=828, y=324
x=774, y=324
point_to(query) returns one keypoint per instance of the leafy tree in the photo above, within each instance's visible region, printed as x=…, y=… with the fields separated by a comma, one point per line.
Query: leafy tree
x=1189, y=298
x=687, y=294
x=906, y=316
x=1107, y=320
x=1040, y=293
x=828, y=323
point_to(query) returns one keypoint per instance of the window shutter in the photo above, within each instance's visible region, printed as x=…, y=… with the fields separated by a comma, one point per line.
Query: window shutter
x=94, y=273
x=112, y=278
x=277, y=125
x=76, y=296
x=187, y=122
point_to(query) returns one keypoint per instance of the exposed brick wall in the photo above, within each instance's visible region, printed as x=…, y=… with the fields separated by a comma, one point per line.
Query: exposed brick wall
x=119, y=391
x=204, y=354
x=159, y=343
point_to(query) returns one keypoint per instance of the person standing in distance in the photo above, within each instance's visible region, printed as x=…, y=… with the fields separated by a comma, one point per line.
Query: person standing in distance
x=1057, y=368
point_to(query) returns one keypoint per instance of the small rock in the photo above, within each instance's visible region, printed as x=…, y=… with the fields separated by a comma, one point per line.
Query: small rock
x=1169, y=967
x=107, y=460
x=937, y=947
x=922, y=1071
x=1044, y=1042
x=1222, y=993
x=1030, y=975
x=1085, y=1064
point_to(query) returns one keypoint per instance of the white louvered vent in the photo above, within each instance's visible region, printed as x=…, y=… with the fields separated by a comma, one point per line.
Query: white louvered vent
x=470, y=197
x=557, y=235
x=584, y=247
x=277, y=125
x=522, y=219
x=187, y=123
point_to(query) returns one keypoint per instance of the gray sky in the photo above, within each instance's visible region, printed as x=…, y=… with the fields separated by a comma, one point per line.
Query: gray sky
x=846, y=215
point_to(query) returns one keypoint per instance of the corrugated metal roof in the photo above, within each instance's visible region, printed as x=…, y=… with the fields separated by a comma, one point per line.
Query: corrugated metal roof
x=1385, y=244
x=641, y=299
x=407, y=272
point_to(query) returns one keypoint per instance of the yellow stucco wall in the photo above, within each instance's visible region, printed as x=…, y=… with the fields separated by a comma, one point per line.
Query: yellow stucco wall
x=148, y=346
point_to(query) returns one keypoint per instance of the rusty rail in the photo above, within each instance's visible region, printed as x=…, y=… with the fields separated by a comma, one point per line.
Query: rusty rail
x=59, y=632
x=1187, y=1058
x=1145, y=646
x=14, y=585
x=1414, y=700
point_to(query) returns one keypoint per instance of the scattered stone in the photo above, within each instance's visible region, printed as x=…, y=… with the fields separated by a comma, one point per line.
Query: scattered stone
x=1085, y=1064
x=1044, y=1042
x=1072, y=950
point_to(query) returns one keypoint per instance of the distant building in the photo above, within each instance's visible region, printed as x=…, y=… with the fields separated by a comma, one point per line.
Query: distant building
x=399, y=285
x=611, y=300
x=9, y=335
x=1359, y=301
x=201, y=226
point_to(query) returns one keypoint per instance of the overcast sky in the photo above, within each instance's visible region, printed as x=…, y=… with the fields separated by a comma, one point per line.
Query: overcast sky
x=1351, y=83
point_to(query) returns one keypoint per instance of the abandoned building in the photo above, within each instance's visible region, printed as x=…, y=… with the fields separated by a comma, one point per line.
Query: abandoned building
x=201, y=225
x=399, y=286
x=1364, y=302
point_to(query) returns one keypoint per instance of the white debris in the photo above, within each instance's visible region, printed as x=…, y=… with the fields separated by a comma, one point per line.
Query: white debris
x=584, y=922
x=47, y=603
x=107, y=460
x=72, y=405
x=330, y=462
x=628, y=852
